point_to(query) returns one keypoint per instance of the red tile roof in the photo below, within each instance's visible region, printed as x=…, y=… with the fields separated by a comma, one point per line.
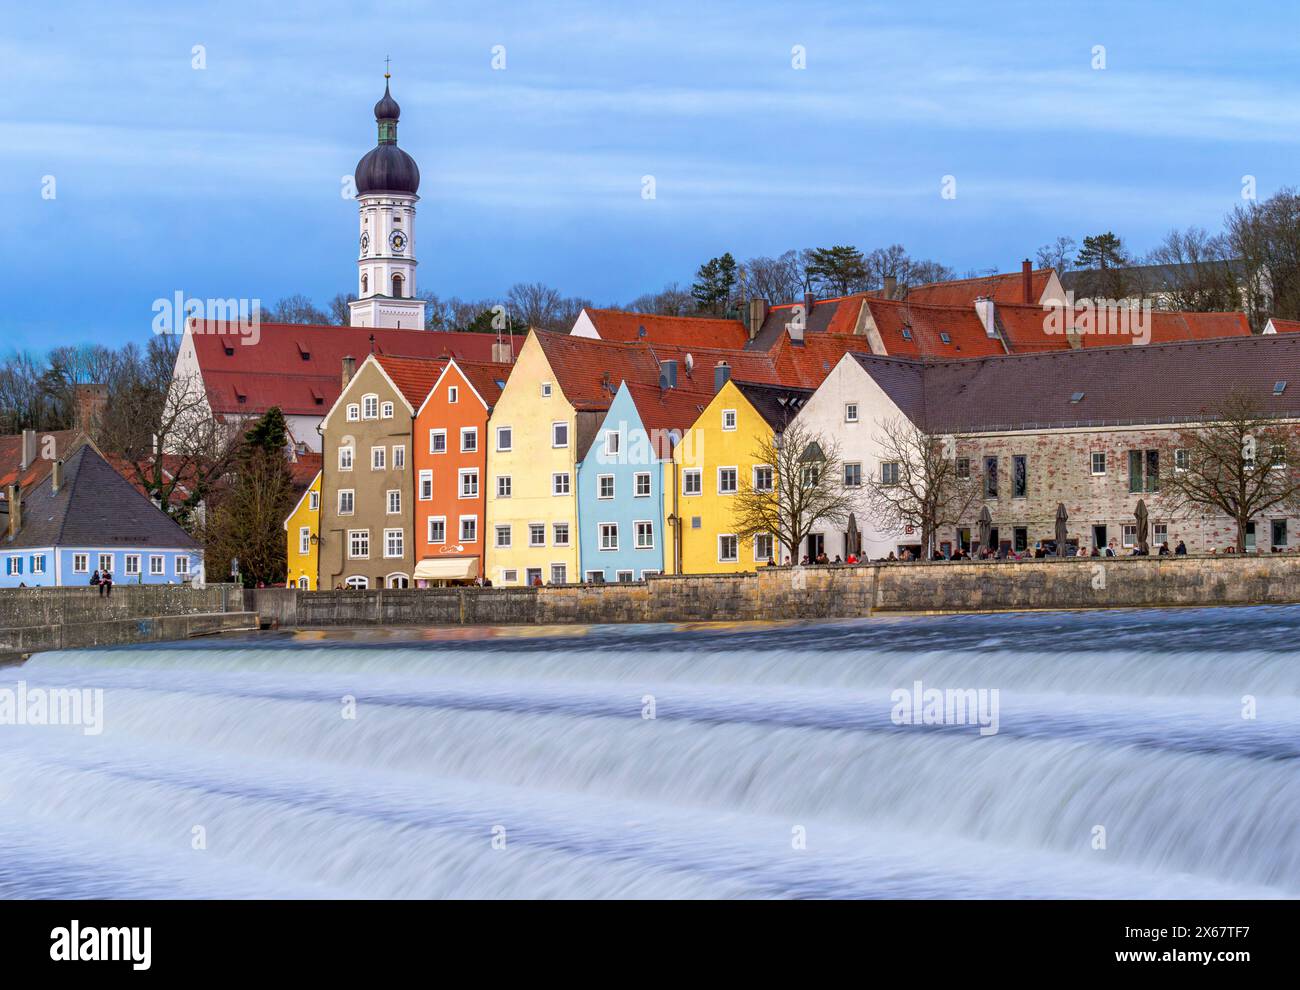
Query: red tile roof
x=414, y=377
x=1008, y=288
x=299, y=368
x=1026, y=331
x=908, y=329
x=11, y=457
x=618, y=325
x=835, y=316
x=485, y=376
x=1286, y=326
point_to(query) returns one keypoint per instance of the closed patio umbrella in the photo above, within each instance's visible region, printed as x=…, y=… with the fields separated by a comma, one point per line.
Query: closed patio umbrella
x=851, y=539
x=985, y=527
x=1143, y=523
x=1062, y=518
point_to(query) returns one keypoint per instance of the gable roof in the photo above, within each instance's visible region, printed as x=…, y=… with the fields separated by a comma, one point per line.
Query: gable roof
x=775, y=403
x=299, y=367
x=1025, y=329
x=1125, y=385
x=11, y=457
x=838, y=316
x=413, y=377
x=1007, y=288
x=911, y=329
x=95, y=507
x=620, y=325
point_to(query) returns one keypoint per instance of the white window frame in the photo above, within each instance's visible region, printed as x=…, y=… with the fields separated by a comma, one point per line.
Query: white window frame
x=1092, y=462
x=313, y=501
x=510, y=439
x=352, y=501
x=428, y=530
x=370, y=406
x=735, y=542
x=850, y=412
x=389, y=535
x=563, y=570
x=546, y=390
x=425, y=490
x=354, y=412
x=853, y=464
x=471, y=433
x=506, y=481
x=358, y=538
x=637, y=478
x=600, y=487
x=436, y=435
x=555, y=483
x=503, y=530
x=555, y=426
x=453, y=395
x=637, y=525
x=462, y=476
x=555, y=535
x=604, y=531
x=399, y=457
x=81, y=563
x=533, y=527
x=735, y=471
x=758, y=554
x=304, y=541
x=347, y=455
x=182, y=564
x=131, y=565
x=613, y=443
x=379, y=458
x=386, y=410
x=698, y=475
x=38, y=564
x=461, y=530
x=754, y=479
x=729, y=416
x=106, y=562
x=389, y=501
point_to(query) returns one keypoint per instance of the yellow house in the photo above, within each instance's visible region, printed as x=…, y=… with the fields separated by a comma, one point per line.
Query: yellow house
x=541, y=428
x=718, y=456
x=302, y=532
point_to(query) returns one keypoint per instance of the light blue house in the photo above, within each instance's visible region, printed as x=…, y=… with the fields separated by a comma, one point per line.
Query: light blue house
x=625, y=485
x=83, y=517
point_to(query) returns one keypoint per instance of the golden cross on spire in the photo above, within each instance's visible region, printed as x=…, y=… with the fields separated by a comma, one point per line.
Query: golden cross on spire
x=387, y=74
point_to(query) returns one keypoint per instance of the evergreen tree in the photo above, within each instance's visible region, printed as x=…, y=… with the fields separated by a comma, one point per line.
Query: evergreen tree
x=837, y=270
x=714, y=283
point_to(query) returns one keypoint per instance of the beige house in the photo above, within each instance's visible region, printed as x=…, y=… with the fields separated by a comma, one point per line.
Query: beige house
x=367, y=491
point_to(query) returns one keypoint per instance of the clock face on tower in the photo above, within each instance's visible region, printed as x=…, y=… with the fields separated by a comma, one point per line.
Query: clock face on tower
x=365, y=243
x=397, y=241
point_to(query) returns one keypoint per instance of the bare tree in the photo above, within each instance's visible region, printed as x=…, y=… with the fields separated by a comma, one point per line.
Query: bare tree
x=894, y=262
x=532, y=304
x=802, y=490
x=921, y=483
x=1239, y=462
x=1059, y=254
x=1266, y=237
x=340, y=312
x=1198, y=271
x=295, y=309
x=778, y=280
x=672, y=300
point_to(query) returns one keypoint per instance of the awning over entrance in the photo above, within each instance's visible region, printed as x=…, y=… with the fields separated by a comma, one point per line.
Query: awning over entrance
x=447, y=569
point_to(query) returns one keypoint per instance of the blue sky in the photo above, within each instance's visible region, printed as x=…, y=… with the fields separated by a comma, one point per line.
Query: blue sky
x=225, y=181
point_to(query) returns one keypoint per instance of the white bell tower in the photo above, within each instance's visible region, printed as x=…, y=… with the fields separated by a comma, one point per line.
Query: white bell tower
x=387, y=180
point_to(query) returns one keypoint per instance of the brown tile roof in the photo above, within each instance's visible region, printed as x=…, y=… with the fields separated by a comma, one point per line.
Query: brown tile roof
x=487, y=377
x=11, y=457
x=1008, y=288
x=414, y=377
x=1286, y=326
x=1125, y=385
x=909, y=329
x=619, y=325
x=1025, y=328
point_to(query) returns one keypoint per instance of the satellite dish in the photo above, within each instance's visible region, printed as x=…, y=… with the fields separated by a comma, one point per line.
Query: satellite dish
x=690, y=363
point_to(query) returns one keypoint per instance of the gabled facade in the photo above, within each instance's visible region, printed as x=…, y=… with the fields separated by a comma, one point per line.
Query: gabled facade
x=366, y=478
x=717, y=457
x=83, y=516
x=452, y=444
x=625, y=484
x=302, y=536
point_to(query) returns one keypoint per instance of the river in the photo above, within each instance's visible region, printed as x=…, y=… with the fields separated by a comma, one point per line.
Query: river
x=671, y=761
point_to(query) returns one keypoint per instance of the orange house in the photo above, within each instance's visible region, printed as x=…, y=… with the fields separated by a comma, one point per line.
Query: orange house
x=451, y=442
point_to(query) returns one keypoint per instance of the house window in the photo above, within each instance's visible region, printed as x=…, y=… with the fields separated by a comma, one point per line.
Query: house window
x=182, y=564
x=595, y=577
x=313, y=501
x=509, y=576
x=1019, y=476
x=132, y=564
x=645, y=534
x=345, y=458
x=397, y=287
x=609, y=536
x=80, y=563
x=369, y=406
x=106, y=562
x=437, y=441
x=469, y=483
x=763, y=546
x=559, y=434
x=304, y=584
x=395, y=502
x=304, y=540
x=1279, y=533
x=504, y=486
x=889, y=472
x=990, y=477
x=1020, y=538
x=347, y=501
x=850, y=412
x=468, y=529
x=560, y=535
x=394, y=542
x=1130, y=534
x=625, y=577
x=38, y=564
x=354, y=412
x=359, y=544
x=386, y=411
x=453, y=395
x=692, y=482
x=727, y=480
x=503, y=537
x=728, y=419
x=560, y=483
x=1160, y=533
x=399, y=457
x=605, y=486
x=728, y=552
x=546, y=390
x=14, y=566
x=426, y=486
x=641, y=484
x=156, y=567
x=853, y=475
x=1182, y=459
x=468, y=439
x=437, y=529
x=812, y=475
x=378, y=458
x=559, y=574
x=505, y=439
x=1143, y=471
x=537, y=534
x=1250, y=536
x=1098, y=462
x=963, y=468
x=612, y=438
x=763, y=478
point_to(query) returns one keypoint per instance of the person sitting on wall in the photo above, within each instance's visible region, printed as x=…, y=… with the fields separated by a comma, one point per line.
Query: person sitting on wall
x=106, y=584
x=851, y=559
x=838, y=559
x=787, y=561
x=1110, y=549
x=891, y=556
x=94, y=579
x=1164, y=549
x=1181, y=549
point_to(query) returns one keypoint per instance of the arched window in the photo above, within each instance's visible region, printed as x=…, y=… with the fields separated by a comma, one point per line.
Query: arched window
x=303, y=583
x=397, y=287
x=358, y=583
x=369, y=406
x=365, y=283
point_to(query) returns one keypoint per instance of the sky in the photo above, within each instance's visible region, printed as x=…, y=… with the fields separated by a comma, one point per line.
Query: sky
x=225, y=180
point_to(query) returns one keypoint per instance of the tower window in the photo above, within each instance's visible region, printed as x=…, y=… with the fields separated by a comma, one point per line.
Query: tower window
x=397, y=286
x=365, y=283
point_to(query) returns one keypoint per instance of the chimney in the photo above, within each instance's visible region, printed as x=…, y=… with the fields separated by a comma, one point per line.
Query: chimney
x=667, y=374
x=29, y=449
x=56, y=477
x=1027, y=282
x=987, y=311
x=757, y=314
x=891, y=286
x=502, y=352
x=15, y=510
x=349, y=369
x=721, y=375
x=89, y=402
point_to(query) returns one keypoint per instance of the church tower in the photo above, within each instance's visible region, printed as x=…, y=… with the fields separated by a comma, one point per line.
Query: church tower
x=387, y=179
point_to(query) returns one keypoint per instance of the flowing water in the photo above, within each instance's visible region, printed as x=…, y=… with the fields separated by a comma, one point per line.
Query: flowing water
x=669, y=761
